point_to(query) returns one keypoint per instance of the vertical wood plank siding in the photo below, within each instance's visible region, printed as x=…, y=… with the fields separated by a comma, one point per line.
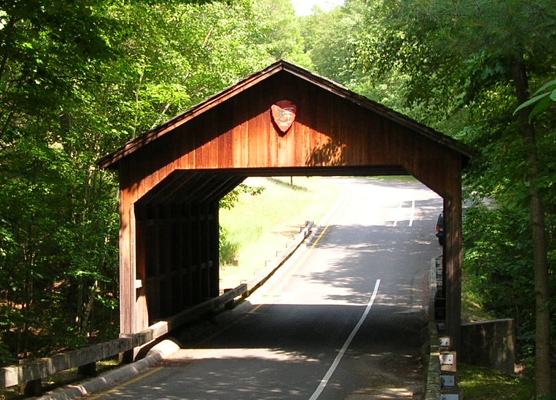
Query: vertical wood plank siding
x=172, y=179
x=349, y=136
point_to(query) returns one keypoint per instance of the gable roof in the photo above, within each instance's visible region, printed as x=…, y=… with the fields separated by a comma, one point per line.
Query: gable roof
x=111, y=160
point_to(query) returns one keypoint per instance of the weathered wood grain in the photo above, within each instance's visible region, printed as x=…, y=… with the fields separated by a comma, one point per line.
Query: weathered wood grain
x=185, y=166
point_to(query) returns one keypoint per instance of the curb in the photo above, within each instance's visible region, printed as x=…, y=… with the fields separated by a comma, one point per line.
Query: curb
x=157, y=353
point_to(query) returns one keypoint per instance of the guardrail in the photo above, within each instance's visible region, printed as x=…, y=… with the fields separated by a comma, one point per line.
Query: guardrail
x=30, y=373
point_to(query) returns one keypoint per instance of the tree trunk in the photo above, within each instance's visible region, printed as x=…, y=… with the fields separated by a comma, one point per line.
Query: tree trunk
x=542, y=310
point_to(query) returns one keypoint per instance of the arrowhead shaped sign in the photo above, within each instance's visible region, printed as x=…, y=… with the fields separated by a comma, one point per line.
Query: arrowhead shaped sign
x=283, y=114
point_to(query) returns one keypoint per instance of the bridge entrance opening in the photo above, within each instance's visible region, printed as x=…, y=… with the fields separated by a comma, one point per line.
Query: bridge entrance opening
x=281, y=121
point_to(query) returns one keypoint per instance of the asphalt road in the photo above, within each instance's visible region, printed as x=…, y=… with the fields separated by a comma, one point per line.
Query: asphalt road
x=344, y=319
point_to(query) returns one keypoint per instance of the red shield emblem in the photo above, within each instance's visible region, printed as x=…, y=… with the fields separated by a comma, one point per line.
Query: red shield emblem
x=283, y=114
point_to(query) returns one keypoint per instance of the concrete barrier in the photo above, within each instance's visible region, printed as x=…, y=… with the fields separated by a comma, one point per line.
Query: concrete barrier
x=489, y=344
x=157, y=353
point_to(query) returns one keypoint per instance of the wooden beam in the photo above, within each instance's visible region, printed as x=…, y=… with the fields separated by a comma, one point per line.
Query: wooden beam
x=453, y=260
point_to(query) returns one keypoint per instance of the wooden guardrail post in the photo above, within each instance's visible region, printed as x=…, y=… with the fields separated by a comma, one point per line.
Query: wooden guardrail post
x=30, y=387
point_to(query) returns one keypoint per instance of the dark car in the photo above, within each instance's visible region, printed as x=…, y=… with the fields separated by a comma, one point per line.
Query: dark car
x=440, y=228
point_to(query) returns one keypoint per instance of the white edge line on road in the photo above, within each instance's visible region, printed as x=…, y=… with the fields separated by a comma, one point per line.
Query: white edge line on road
x=340, y=355
x=399, y=212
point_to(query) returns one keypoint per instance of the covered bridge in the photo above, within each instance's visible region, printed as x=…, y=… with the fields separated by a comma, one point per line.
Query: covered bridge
x=281, y=121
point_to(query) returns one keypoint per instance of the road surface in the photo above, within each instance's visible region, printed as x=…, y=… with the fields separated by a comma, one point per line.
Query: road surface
x=344, y=319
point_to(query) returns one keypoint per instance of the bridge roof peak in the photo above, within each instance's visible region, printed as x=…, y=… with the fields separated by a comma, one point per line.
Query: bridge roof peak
x=282, y=66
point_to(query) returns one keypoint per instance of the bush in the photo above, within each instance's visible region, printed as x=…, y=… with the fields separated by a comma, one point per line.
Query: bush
x=228, y=248
x=499, y=268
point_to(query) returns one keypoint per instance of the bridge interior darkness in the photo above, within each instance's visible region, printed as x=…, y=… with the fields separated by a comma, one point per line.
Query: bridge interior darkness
x=178, y=230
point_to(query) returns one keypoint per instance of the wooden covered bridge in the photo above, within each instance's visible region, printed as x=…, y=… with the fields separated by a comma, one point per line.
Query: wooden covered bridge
x=281, y=121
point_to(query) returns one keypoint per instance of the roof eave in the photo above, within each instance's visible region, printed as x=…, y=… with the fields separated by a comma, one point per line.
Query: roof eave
x=111, y=161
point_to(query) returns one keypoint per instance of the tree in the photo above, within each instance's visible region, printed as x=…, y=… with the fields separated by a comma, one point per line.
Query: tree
x=542, y=99
x=460, y=57
x=333, y=43
x=278, y=30
x=76, y=82
x=47, y=51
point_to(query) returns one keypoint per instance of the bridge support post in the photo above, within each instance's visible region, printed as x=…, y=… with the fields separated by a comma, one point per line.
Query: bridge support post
x=453, y=259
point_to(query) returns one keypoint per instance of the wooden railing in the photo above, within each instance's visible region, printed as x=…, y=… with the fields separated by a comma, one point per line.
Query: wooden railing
x=30, y=373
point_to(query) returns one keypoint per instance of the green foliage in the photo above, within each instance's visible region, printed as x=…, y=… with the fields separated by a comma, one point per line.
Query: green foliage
x=58, y=247
x=498, y=258
x=327, y=42
x=228, y=201
x=228, y=247
x=278, y=31
x=76, y=82
x=485, y=384
x=464, y=68
x=542, y=99
x=332, y=41
x=452, y=52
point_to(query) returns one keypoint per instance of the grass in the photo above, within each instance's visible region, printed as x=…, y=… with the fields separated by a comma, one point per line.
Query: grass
x=479, y=383
x=285, y=204
x=263, y=224
x=279, y=206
